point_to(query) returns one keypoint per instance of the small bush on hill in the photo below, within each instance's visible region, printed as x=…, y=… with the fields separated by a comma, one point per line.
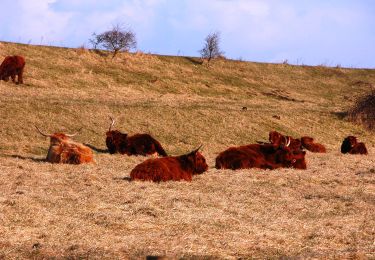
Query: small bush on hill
x=363, y=111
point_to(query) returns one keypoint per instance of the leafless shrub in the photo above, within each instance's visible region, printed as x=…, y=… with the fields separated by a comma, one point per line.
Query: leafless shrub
x=211, y=47
x=117, y=39
x=363, y=111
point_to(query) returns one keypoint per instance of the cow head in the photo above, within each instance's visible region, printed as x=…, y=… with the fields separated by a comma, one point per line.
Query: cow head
x=115, y=140
x=291, y=158
x=275, y=138
x=348, y=143
x=196, y=161
x=278, y=139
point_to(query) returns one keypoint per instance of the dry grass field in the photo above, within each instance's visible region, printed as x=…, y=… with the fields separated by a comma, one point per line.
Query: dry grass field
x=50, y=211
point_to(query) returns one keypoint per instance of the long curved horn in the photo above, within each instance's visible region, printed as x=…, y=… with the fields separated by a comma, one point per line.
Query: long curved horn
x=76, y=133
x=112, y=123
x=196, y=150
x=46, y=135
x=287, y=141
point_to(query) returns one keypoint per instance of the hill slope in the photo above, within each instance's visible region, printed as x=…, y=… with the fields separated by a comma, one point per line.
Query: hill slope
x=89, y=210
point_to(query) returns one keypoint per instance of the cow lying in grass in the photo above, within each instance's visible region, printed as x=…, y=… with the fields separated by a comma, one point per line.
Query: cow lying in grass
x=350, y=145
x=138, y=144
x=295, y=144
x=63, y=150
x=263, y=156
x=12, y=66
x=172, y=168
x=310, y=145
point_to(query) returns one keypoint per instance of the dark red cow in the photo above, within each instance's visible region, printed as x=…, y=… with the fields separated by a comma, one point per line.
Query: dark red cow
x=263, y=156
x=12, y=66
x=309, y=144
x=277, y=139
x=138, y=144
x=173, y=168
x=350, y=145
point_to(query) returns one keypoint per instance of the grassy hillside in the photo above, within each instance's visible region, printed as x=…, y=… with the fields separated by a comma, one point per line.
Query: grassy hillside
x=91, y=211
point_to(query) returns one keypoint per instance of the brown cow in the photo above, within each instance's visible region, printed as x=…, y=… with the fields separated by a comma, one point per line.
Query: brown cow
x=350, y=145
x=277, y=139
x=263, y=156
x=12, y=66
x=174, y=168
x=63, y=150
x=309, y=144
x=138, y=144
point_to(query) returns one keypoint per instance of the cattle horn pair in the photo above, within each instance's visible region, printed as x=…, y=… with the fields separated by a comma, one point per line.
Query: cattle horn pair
x=112, y=123
x=49, y=135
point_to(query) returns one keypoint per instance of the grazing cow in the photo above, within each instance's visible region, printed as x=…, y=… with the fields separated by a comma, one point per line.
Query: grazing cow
x=350, y=145
x=263, y=156
x=12, y=66
x=138, y=144
x=63, y=150
x=277, y=139
x=309, y=144
x=174, y=168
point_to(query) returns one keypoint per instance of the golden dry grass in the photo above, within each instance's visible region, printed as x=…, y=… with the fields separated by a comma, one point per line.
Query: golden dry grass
x=92, y=211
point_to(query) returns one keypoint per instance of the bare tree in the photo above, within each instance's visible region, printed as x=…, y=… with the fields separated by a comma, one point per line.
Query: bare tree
x=117, y=39
x=211, y=47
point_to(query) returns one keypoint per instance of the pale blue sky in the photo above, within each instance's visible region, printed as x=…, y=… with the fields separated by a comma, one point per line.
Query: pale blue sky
x=313, y=32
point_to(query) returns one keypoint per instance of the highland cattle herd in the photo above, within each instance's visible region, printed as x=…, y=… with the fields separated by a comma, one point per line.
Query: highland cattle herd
x=280, y=152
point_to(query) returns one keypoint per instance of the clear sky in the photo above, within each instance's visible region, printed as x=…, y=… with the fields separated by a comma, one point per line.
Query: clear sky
x=312, y=32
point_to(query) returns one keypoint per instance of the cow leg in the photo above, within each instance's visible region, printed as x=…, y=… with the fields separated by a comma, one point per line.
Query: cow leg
x=20, y=78
x=6, y=78
x=13, y=76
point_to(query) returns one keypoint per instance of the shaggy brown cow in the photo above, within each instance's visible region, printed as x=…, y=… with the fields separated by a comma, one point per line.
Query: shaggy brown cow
x=138, y=144
x=277, y=139
x=350, y=145
x=63, y=150
x=174, y=168
x=309, y=144
x=12, y=66
x=263, y=156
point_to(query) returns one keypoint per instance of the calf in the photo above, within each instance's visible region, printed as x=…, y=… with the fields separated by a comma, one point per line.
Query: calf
x=12, y=66
x=263, y=156
x=63, y=150
x=309, y=144
x=350, y=145
x=173, y=168
x=138, y=144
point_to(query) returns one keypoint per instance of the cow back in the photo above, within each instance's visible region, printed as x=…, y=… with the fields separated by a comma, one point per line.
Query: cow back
x=160, y=169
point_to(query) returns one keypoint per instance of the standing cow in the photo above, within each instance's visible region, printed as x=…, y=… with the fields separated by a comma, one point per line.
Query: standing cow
x=138, y=144
x=63, y=150
x=12, y=66
x=173, y=168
